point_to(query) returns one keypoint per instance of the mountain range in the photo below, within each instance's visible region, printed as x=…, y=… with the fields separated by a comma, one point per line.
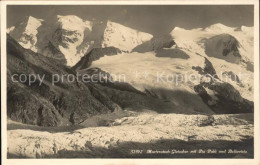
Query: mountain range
x=69, y=37
x=70, y=45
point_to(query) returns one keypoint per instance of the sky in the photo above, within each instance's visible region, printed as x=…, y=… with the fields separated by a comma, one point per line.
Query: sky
x=154, y=19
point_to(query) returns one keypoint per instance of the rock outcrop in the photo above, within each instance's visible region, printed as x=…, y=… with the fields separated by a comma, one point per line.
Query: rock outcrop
x=220, y=96
x=223, y=46
x=93, y=55
x=155, y=44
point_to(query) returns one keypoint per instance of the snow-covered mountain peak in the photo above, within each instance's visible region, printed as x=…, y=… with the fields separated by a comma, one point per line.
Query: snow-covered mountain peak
x=33, y=24
x=10, y=29
x=123, y=37
x=178, y=29
x=178, y=32
x=218, y=38
x=26, y=32
x=248, y=30
x=33, y=20
x=29, y=24
x=70, y=35
x=218, y=27
x=72, y=22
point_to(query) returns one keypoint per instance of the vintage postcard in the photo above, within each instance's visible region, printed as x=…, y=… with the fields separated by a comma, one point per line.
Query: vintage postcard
x=130, y=82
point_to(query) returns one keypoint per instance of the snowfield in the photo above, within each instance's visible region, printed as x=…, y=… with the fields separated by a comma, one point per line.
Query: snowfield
x=148, y=70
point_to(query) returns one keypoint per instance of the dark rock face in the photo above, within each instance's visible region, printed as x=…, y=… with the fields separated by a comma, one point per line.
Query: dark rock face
x=223, y=46
x=93, y=55
x=172, y=53
x=202, y=93
x=207, y=70
x=233, y=77
x=226, y=98
x=51, y=51
x=27, y=107
x=60, y=36
x=156, y=43
x=249, y=66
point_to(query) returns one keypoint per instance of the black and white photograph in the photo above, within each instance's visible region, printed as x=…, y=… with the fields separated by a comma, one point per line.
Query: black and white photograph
x=130, y=81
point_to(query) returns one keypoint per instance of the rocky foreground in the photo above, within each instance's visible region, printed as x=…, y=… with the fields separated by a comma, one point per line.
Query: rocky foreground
x=135, y=135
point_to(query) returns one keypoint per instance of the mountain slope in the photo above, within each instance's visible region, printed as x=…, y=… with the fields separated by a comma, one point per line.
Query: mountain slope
x=49, y=104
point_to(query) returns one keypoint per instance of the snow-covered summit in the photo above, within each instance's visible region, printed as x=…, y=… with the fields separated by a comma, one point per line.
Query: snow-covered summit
x=196, y=40
x=72, y=22
x=33, y=23
x=247, y=30
x=123, y=37
x=10, y=29
x=26, y=32
x=69, y=36
x=28, y=24
x=73, y=37
x=218, y=27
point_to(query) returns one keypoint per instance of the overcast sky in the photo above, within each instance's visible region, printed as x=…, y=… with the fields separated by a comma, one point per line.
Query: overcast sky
x=151, y=19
